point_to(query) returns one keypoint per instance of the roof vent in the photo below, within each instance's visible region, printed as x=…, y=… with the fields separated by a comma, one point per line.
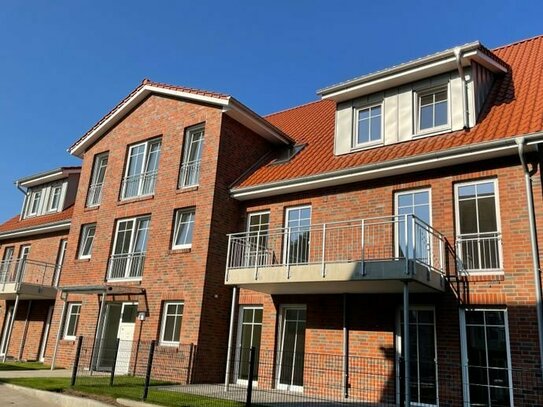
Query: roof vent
x=287, y=154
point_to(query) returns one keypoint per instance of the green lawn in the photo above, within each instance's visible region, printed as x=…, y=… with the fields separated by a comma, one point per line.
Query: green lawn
x=124, y=387
x=23, y=366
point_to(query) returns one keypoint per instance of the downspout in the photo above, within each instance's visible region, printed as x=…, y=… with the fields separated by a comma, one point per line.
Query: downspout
x=23, y=210
x=458, y=56
x=533, y=240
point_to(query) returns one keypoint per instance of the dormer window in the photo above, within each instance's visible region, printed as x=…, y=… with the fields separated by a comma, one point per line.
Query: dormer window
x=54, y=198
x=368, y=126
x=433, y=106
x=35, y=200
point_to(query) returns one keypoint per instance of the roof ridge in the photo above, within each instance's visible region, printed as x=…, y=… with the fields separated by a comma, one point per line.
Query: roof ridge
x=294, y=108
x=151, y=82
x=512, y=44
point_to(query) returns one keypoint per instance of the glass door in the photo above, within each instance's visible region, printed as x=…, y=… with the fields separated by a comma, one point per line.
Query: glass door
x=5, y=331
x=292, y=348
x=249, y=335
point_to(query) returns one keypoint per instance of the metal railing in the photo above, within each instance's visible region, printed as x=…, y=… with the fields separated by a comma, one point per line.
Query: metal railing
x=189, y=174
x=362, y=240
x=28, y=272
x=94, y=196
x=139, y=185
x=126, y=266
x=479, y=252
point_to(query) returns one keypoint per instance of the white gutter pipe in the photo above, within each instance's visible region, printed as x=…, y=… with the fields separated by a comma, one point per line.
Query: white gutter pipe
x=458, y=56
x=533, y=240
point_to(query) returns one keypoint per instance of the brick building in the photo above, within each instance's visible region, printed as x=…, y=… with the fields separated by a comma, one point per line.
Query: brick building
x=410, y=194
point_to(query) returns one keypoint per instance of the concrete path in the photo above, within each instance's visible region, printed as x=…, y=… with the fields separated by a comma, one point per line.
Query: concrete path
x=12, y=397
x=35, y=373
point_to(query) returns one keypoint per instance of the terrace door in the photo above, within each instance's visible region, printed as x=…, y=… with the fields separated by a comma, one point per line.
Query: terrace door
x=415, y=202
x=292, y=349
x=249, y=335
x=5, y=331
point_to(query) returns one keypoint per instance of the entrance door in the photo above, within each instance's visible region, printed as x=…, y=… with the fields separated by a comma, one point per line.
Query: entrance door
x=249, y=335
x=45, y=334
x=126, y=336
x=5, y=332
x=422, y=351
x=291, y=352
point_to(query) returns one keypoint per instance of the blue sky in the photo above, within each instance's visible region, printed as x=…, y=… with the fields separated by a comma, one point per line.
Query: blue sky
x=64, y=64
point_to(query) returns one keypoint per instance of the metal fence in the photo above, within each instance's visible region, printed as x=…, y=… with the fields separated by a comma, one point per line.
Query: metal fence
x=189, y=376
x=29, y=272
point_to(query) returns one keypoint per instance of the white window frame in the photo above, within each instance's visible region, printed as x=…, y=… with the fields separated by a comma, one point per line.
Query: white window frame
x=398, y=338
x=97, y=167
x=69, y=311
x=83, y=240
x=187, y=149
x=53, y=188
x=177, y=227
x=464, y=350
x=396, y=207
x=242, y=309
x=500, y=269
x=419, y=94
x=163, y=323
x=356, y=145
x=250, y=254
x=32, y=197
x=144, y=170
x=281, y=331
x=286, y=253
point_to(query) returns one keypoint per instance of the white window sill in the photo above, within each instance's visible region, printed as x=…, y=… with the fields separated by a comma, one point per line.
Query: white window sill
x=489, y=272
x=367, y=146
x=113, y=280
x=69, y=338
x=84, y=257
x=182, y=247
x=169, y=344
x=433, y=131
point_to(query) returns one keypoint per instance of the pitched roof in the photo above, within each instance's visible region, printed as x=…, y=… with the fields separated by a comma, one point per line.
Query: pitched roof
x=514, y=107
x=16, y=224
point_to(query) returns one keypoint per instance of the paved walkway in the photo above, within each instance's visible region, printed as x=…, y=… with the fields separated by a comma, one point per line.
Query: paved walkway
x=35, y=373
x=11, y=397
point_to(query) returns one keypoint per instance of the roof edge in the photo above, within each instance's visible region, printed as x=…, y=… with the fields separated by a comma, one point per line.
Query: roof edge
x=37, y=229
x=47, y=176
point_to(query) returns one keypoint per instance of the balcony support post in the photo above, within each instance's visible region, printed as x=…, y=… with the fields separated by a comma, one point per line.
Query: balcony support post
x=256, y=253
x=25, y=330
x=406, y=342
x=228, y=256
x=230, y=349
x=406, y=248
x=362, y=243
x=59, y=332
x=345, y=348
x=323, y=272
x=11, y=324
x=288, y=253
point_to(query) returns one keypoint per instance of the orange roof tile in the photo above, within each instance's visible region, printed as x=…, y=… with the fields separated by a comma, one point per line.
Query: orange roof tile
x=514, y=107
x=16, y=223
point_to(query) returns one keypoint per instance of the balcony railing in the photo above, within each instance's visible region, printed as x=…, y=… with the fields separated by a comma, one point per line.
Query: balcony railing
x=403, y=237
x=139, y=185
x=189, y=174
x=28, y=272
x=126, y=266
x=480, y=253
x=94, y=196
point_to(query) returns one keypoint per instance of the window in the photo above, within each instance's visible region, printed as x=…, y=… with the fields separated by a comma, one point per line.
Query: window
x=129, y=248
x=171, y=323
x=485, y=351
x=298, y=225
x=433, y=109
x=192, y=154
x=258, y=225
x=416, y=202
x=24, y=252
x=184, y=226
x=94, y=195
x=477, y=225
x=6, y=263
x=54, y=198
x=292, y=348
x=368, y=126
x=87, y=240
x=141, y=169
x=35, y=201
x=60, y=260
x=249, y=335
x=72, y=321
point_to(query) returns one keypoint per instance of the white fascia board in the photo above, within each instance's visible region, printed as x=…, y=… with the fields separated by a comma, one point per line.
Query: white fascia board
x=484, y=60
x=55, y=176
x=36, y=230
x=381, y=170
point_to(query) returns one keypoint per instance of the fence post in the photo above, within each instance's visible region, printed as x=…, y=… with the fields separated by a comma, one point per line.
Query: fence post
x=252, y=357
x=189, y=366
x=149, y=369
x=76, y=361
x=114, y=364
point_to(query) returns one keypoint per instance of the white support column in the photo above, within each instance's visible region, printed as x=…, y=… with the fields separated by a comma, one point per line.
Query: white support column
x=11, y=323
x=59, y=331
x=406, y=342
x=230, y=338
x=345, y=348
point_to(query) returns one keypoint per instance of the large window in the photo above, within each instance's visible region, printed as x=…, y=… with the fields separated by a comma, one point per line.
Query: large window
x=477, y=225
x=72, y=321
x=7, y=260
x=141, y=169
x=94, y=195
x=129, y=248
x=298, y=225
x=183, y=228
x=171, y=323
x=415, y=202
x=86, y=241
x=486, y=357
x=433, y=109
x=257, y=250
x=369, y=126
x=249, y=335
x=192, y=155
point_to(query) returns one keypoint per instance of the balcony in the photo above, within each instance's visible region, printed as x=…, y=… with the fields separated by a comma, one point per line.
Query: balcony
x=29, y=279
x=480, y=253
x=127, y=266
x=139, y=185
x=374, y=255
